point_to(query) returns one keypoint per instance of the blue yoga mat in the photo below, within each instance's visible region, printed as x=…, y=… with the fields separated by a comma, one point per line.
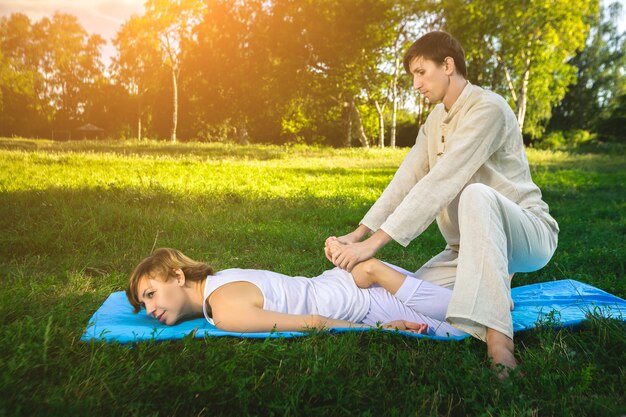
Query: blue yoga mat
x=559, y=303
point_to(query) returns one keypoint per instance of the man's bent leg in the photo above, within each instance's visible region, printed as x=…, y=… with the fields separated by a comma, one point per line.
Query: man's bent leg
x=441, y=269
x=497, y=238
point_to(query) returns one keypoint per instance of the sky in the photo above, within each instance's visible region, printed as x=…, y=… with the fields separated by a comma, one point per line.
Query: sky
x=104, y=17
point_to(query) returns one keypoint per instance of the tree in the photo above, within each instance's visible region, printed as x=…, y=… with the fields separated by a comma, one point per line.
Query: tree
x=68, y=63
x=172, y=24
x=50, y=69
x=411, y=19
x=345, y=40
x=610, y=126
x=522, y=48
x=600, y=77
x=245, y=65
x=18, y=77
x=137, y=62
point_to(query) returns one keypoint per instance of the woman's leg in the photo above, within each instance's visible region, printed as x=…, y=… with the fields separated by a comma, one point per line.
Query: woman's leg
x=373, y=271
x=385, y=308
x=418, y=295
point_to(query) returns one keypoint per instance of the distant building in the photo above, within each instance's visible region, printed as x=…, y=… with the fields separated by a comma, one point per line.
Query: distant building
x=89, y=131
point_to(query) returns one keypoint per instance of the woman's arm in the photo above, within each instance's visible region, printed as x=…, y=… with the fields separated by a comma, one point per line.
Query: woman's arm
x=237, y=308
x=254, y=319
x=258, y=320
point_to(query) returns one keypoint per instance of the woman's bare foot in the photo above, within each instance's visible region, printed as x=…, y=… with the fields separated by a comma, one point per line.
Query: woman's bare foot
x=500, y=349
x=362, y=273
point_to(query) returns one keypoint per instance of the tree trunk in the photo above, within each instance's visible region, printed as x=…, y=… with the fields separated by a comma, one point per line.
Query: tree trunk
x=139, y=121
x=421, y=110
x=175, y=106
x=394, y=102
x=381, y=124
x=241, y=132
x=523, y=99
x=347, y=114
x=139, y=127
x=359, y=125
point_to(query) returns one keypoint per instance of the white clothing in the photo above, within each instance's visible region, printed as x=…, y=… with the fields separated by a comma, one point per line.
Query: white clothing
x=477, y=141
x=473, y=152
x=335, y=295
x=498, y=238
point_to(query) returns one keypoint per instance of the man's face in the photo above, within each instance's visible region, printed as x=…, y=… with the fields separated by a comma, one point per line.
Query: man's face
x=429, y=78
x=165, y=301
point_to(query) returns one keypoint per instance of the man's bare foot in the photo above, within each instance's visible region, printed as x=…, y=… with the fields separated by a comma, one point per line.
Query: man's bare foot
x=500, y=349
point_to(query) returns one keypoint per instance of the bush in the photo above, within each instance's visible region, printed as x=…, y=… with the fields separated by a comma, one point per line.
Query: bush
x=611, y=127
x=560, y=140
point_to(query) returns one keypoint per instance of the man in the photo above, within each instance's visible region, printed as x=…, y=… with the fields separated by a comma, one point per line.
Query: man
x=468, y=170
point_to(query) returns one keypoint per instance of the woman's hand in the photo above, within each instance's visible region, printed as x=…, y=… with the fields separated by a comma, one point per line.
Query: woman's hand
x=407, y=326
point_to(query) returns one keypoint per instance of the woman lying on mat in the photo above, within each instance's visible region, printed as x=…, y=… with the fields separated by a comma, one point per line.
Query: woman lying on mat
x=172, y=287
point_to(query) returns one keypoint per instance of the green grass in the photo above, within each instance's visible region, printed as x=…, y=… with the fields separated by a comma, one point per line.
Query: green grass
x=76, y=217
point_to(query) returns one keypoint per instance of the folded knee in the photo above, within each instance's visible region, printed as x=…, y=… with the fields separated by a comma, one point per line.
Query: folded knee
x=364, y=269
x=363, y=273
x=476, y=195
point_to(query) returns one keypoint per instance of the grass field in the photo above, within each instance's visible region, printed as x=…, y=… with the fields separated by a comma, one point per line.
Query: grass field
x=76, y=217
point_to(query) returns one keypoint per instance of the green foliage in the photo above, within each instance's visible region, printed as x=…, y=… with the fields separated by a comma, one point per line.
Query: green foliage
x=138, y=68
x=564, y=140
x=521, y=49
x=317, y=72
x=52, y=66
x=610, y=127
x=77, y=216
x=600, y=79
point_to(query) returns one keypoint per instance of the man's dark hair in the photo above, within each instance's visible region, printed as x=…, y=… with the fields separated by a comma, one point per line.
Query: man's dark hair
x=437, y=46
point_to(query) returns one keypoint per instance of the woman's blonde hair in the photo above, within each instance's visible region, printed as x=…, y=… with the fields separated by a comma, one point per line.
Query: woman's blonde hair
x=161, y=265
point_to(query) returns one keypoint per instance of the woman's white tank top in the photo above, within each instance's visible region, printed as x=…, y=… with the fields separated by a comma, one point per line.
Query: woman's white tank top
x=332, y=294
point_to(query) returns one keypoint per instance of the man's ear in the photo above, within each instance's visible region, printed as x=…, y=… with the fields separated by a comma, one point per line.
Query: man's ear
x=180, y=277
x=448, y=65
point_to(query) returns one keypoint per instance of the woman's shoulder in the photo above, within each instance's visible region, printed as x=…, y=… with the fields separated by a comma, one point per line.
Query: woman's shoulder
x=235, y=293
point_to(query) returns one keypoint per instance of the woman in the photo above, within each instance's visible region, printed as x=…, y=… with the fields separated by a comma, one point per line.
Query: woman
x=172, y=287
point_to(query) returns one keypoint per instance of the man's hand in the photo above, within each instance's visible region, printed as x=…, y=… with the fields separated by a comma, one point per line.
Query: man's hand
x=345, y=239
x=353, y=237
x=348, y=256
x=407, y=326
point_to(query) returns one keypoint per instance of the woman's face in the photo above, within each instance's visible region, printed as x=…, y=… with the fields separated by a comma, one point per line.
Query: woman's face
x=429, y=78
x=166, y=301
